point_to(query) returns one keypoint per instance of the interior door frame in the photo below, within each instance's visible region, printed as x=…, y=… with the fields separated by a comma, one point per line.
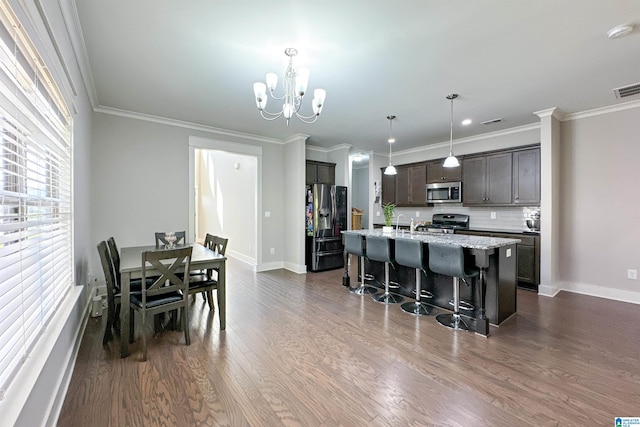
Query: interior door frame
x=196, y=142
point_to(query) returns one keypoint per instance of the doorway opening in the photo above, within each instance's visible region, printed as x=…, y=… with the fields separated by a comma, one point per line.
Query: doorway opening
x=225, y=196
x=360, y=207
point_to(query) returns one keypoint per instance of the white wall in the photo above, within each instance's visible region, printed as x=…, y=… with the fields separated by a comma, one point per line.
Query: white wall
x=294, y=202
x=600, y=204
x=140, y=183
x=360, y=193
x=227, y=202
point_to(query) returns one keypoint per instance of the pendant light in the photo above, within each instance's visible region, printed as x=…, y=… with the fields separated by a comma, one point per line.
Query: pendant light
x=390, y=170
x=451, y=161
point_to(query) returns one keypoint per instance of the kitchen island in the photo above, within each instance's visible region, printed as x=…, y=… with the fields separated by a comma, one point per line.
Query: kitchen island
x=491, y=299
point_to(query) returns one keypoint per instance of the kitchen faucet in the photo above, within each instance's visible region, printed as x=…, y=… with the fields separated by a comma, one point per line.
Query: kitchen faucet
x=397, y=222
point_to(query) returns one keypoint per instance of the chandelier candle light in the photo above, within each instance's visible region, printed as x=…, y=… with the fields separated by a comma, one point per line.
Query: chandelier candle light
x=451, y=161
x=295, y=86
x=390, y=170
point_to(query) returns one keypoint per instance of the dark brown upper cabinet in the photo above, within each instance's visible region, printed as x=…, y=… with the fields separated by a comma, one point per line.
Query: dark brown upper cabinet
x=411, y=181
x=487, y=180
x=320, y=172
x=388, y=188
x=526, y=177
x=437, y=173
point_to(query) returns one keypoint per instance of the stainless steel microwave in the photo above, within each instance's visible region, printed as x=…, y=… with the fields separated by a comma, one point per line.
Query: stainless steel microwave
x=444, y=192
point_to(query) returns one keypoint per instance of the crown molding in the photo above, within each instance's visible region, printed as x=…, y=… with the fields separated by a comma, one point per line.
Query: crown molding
x=186, y=125
x=603, y=110
x=296, y=137
x=340, y=147
x=510, y=131
x=74, y=30
x=554, y=112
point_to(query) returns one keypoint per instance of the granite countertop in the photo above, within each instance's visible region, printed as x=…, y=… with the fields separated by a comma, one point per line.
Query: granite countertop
x=502, y=230
x=466, y=241
x=480, y=230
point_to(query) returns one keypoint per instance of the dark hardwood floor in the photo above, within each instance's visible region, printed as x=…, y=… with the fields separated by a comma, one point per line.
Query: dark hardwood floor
x=301, y=350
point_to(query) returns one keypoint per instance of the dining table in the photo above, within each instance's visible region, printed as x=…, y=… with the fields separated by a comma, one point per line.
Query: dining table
x=131, y=268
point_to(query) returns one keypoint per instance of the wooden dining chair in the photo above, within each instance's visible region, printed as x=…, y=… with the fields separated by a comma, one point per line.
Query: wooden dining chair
x=113, y=292
x=167, y=293
x=205, y=282
x=161, y=239
x=134, y=284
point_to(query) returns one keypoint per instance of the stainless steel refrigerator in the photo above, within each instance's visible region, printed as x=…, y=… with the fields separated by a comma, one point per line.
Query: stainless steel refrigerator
x=326, y=217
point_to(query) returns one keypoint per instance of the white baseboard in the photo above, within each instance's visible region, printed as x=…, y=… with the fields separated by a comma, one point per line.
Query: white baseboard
x=600, y=292
x=242, y=257
x=548, y=291
x=269, y=266
x=296, y=268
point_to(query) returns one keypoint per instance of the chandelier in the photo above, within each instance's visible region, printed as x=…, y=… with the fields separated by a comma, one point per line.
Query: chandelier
x=295, y=87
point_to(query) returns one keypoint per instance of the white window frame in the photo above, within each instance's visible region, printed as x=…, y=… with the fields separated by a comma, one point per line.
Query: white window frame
x=36, y=220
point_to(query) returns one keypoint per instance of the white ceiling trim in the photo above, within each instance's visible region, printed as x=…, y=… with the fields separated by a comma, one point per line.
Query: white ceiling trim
x=460, y=141
x=604, y=110
x=186, y=125
x=74, y=30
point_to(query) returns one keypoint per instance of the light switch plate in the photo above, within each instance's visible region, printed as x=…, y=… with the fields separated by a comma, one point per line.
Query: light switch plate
x=508, y=252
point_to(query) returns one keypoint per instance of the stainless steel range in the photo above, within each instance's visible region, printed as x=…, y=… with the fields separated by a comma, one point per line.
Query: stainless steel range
x=448, y=223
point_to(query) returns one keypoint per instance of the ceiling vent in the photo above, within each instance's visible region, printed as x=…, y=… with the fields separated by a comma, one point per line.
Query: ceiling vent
x=491, y=122
x=623, y=92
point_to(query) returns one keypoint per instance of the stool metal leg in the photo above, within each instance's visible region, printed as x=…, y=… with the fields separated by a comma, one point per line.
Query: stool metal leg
x=386, y=297
x=418, y=308
x=455, y=321
x=363, y=289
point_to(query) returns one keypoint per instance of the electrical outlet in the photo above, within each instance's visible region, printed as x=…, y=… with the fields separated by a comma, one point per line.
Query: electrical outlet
x=377, y=213
x=493, y=215
x=632, y=274
x=417, y=214
x=273, y=251
x=267, y=214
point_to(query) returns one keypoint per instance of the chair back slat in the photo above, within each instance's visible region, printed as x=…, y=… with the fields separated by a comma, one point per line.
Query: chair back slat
x=107, y=268
x=168, y=281
x=115, y=259
x=220, y=244
x=162, y=241
x=216, y=243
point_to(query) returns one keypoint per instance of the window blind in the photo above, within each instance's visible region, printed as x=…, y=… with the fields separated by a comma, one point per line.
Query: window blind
x=36, y=264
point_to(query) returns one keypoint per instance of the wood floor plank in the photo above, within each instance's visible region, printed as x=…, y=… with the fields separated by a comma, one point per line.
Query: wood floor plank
x=301, y=350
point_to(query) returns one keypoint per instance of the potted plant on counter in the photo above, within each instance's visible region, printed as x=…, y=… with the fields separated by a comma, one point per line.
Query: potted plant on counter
x=388, y=210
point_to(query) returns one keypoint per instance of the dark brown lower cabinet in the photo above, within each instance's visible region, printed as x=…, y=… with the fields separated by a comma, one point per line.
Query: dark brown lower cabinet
x=528, y=253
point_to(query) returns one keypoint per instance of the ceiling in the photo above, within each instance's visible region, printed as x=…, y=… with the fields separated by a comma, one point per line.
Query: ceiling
x=197, y=60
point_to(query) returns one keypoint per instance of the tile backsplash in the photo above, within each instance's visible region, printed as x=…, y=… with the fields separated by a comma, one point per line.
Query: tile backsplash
x=506, y=218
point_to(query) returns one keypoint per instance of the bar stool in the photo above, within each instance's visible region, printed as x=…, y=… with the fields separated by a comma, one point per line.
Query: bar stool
x=379, y=249
x=354, y=244
x=449, y=260
x=410, y=253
